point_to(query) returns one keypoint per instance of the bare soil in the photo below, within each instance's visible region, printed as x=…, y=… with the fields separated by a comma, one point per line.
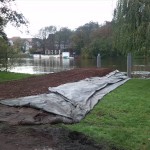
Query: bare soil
x=39, y=84
x=47, y=137
x=15, y=136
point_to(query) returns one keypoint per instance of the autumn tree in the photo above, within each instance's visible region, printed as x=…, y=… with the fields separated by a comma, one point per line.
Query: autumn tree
x=132, y=26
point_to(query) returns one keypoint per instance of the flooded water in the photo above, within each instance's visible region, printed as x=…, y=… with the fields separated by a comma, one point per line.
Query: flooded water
x=40, y=66
x=50, y=65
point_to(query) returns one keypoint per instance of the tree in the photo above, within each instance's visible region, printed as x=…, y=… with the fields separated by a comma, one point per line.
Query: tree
x=100, y=42
x=44, y=34
x=36, y=46
x=7, y=14
x=63, y=37
x=18, y=44
x=8, y=55
x=132, y=26
x=82, y=35
x=3, y=54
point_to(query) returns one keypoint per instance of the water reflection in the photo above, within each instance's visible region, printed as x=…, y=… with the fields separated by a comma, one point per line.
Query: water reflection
x=114, y=63
x=50, y=65
x=40, y=66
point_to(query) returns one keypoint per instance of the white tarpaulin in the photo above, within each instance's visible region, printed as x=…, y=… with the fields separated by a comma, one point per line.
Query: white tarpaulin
x=72, y=100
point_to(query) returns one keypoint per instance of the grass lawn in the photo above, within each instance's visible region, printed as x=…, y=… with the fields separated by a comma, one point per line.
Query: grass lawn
x=122, y=117
x=8, y=76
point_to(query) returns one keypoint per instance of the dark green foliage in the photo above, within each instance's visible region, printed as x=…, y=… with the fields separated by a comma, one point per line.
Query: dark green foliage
x=3, y=54
x=82, y=35
x=7, y=14
x=132, y=26
x=63, y=37
x=8, y=55
x=100, y=41
x=87, y=40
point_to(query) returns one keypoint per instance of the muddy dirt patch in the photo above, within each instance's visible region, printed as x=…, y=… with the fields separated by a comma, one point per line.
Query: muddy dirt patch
x=46, y=138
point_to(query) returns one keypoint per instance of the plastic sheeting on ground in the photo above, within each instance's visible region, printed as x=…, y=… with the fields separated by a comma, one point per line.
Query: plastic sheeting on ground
x=72, y=100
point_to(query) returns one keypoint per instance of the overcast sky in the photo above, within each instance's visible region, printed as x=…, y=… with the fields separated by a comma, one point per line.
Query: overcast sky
x=61, y=13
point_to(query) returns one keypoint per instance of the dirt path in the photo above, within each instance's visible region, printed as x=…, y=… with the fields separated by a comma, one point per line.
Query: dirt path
x=43, y=137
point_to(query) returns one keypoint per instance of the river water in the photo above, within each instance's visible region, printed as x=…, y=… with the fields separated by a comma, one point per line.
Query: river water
x=50, y=65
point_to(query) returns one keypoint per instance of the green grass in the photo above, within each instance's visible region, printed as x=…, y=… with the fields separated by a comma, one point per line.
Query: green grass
x=8, y=76
x=122, y=117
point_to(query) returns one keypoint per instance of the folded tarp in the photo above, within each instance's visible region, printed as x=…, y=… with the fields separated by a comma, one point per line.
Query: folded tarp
x=72, y=100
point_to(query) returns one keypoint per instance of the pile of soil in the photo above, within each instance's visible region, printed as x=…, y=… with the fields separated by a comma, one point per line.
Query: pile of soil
x=39, y=84
x=42, y=137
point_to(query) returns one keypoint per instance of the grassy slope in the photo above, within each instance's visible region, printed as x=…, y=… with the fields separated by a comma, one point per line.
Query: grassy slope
x=122, y=117
x=8, y=76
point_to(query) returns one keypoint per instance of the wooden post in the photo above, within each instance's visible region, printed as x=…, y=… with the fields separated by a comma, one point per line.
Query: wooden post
x=129, y=65
x=98, y=61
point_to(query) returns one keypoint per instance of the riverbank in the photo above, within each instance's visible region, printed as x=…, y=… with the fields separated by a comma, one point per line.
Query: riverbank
x=42, y=137
x=119, y=121
x=10, y=76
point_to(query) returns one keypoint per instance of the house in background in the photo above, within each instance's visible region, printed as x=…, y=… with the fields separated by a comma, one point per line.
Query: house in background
x=13, y=40
x=24, y=44
x=53, y=47
x=49, y=46
x=37, y=46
